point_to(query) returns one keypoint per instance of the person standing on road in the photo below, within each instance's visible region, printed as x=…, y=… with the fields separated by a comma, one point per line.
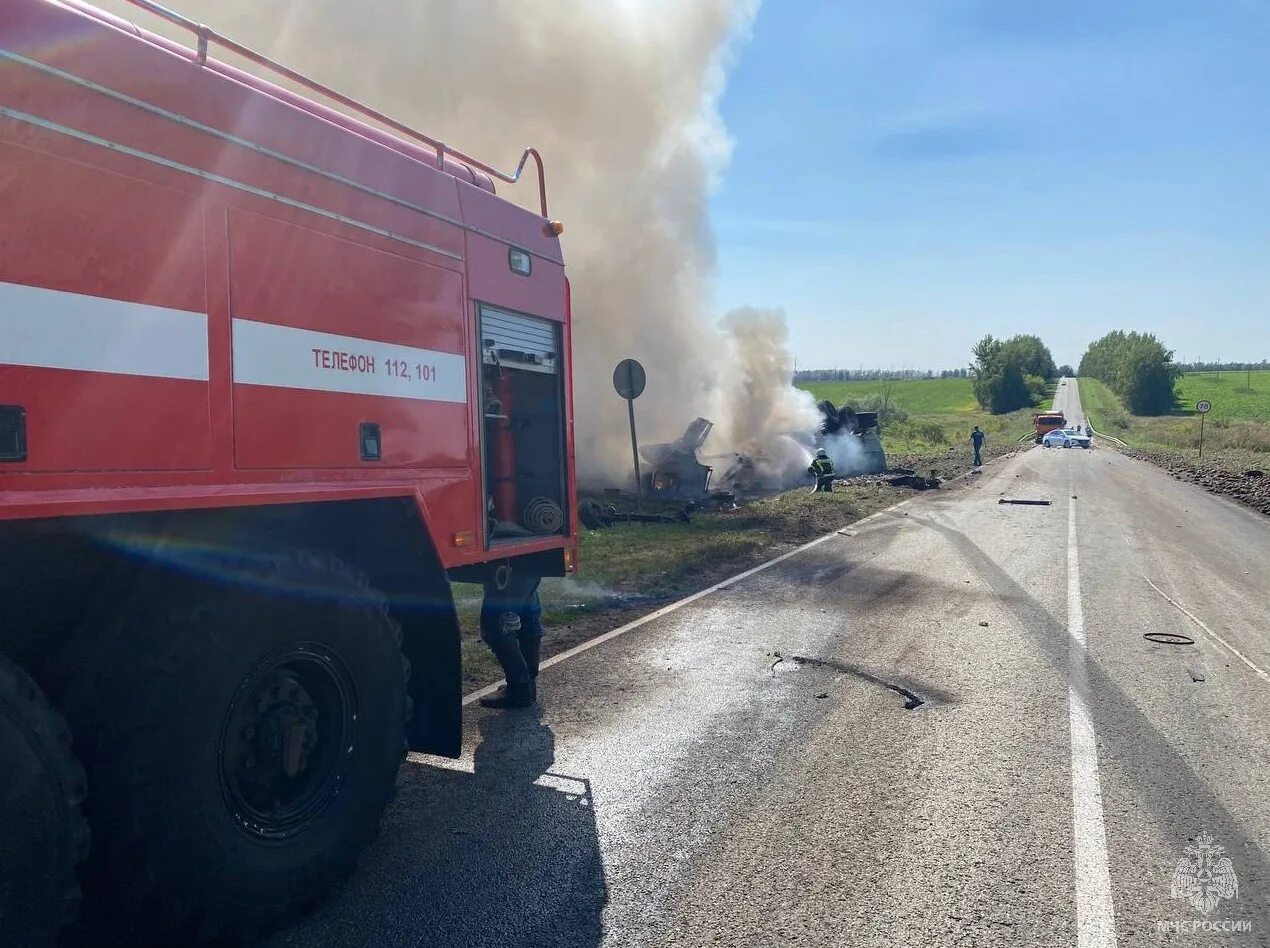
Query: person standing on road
x=511, y=625
x=976, y=439
x=822, y=469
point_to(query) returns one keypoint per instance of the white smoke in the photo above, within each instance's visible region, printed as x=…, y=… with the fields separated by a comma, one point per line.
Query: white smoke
x=758, y=407
x=621, y=98
x=847, y=454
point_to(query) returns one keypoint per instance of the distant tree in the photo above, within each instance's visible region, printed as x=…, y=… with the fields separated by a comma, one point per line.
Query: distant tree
x=1066, y=371
x=1010, y=374
x=1137, y=367
x=1032, y=356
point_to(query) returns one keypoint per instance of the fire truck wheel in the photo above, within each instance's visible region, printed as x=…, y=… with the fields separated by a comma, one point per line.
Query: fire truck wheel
x=247, y=733
x=43, y=835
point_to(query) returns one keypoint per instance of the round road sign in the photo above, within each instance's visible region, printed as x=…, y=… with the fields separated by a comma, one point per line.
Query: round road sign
x=629, y=379
x=1203, y=406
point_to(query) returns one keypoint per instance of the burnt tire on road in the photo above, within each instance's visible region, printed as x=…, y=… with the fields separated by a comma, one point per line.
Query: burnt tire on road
x=246, y=726
x=43, y=834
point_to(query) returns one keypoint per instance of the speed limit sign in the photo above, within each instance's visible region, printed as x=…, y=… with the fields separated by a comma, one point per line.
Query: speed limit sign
x=1203, y=406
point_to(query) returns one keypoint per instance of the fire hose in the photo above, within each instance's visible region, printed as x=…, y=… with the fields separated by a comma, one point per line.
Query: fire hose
x=543, y=515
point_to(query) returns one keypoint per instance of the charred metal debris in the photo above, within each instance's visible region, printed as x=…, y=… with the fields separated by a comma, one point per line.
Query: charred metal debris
x=679, y=470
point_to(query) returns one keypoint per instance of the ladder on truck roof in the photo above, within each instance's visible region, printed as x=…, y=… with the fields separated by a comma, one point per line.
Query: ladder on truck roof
x=207, y=36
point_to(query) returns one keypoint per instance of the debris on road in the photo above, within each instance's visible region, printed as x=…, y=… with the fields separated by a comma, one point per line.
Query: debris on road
x=984, y=624
x=1168, y=638
x=1025, y=503
x=911, y=702
x=1196, y=676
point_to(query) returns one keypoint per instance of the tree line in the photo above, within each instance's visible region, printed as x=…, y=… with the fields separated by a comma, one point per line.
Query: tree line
x=1137, y=367
x=1196, y=367
x=873, y=375
x=1011, y=373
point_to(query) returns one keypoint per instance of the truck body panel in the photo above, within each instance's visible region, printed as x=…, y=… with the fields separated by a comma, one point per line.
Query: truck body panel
x=208, y=292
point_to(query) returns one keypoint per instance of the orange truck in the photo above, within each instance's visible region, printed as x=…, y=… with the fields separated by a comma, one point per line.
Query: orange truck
x=1048, y=421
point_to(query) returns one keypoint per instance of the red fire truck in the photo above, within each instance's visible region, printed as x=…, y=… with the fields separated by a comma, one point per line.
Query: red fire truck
x=270, y=377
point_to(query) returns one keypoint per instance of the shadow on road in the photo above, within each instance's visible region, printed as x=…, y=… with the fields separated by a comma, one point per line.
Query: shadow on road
x=1179, y=800
x=504, y=856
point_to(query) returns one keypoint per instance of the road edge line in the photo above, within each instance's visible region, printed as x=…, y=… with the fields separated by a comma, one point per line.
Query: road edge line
x=687, y=600
x=1261, y=673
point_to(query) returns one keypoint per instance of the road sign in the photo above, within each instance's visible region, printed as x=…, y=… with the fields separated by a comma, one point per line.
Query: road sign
x=629, y=379
x=1203, y=406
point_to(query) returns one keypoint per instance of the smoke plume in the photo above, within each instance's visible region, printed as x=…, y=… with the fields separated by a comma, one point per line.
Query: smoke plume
x=755, y=403
x=621, y=98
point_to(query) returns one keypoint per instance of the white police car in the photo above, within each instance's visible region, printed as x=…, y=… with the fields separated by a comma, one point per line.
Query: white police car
x=1067, y=438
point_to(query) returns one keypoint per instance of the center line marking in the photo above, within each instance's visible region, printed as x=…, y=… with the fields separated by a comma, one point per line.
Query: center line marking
x=1095, y=914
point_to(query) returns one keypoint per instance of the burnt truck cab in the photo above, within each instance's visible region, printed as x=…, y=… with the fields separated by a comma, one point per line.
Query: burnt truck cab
x=270, y=377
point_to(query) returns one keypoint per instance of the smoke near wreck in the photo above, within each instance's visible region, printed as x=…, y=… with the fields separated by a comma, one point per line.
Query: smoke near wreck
x=757, y=406
x=621, y=99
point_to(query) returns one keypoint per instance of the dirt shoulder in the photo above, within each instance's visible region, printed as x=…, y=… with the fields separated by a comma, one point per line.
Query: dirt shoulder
x=1241, y=475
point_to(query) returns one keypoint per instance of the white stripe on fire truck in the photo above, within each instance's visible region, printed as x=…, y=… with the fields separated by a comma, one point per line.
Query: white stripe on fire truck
x=53, y=329
x=287, y=357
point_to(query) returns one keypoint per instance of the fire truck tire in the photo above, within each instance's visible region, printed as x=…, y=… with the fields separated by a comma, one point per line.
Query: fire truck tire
x=43, y=834
x=246, y=740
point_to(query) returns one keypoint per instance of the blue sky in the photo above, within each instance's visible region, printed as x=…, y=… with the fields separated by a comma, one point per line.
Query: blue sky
x=909, y=176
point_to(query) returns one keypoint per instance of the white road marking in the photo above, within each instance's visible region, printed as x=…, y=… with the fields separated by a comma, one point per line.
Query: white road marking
x=53, y=329
x=1261, y=673
x=666, y=610
x=1095, y=913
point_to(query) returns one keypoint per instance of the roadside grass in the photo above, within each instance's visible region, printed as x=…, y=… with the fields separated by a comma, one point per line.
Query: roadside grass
x=941, y=414
x=629, y=569
x=1239, y=423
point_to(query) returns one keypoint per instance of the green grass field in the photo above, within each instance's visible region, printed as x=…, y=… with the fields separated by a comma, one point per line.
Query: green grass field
x=1239, y=422
x=1229, y=392
x=917, y=396
x=941, y=413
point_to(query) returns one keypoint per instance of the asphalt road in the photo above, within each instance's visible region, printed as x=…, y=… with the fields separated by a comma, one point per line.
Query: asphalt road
x=754, y=768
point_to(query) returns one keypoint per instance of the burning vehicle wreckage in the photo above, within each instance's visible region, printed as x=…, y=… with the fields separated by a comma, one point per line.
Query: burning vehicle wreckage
x=681, y=471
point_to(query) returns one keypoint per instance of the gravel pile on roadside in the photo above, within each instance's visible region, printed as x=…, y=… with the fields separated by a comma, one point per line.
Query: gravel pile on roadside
x=1248, y=485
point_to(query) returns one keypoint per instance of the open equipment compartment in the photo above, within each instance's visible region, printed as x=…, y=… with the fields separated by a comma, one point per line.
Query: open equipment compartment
x=522, y=400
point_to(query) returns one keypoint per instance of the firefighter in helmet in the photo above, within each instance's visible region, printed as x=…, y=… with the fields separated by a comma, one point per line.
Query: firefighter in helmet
x=822, y=469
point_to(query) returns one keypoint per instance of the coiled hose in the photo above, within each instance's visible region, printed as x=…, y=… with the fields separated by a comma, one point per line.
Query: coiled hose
x=543, y=515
